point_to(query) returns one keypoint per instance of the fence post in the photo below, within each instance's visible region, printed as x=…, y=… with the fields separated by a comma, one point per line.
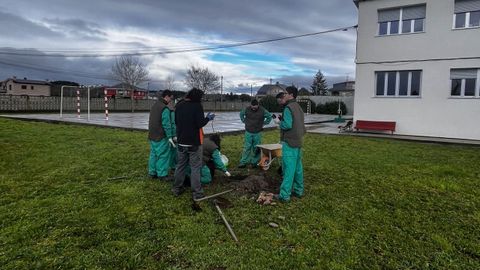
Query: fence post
x=78, y=104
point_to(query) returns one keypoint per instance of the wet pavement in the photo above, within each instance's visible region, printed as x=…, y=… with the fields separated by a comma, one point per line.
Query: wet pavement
x=224, y=121
x=332, y=128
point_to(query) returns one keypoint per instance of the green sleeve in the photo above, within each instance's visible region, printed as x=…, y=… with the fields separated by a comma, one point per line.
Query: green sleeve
x=242, y=115
x=267, y=117
x=167, y=123
x=287, y=120
x=217, y=160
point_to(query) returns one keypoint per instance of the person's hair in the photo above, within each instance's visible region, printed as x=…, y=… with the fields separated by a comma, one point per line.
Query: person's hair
x=292, y=90
x=195, y=95
x=216, y=139
x=254, y=102
x=166, y=93
x=280, y=95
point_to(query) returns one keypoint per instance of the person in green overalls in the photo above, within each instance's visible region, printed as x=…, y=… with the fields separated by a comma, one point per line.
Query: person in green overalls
x=254, y=117
x=212, y=159
x=161, y=134
x=292, y=130
x=173, y=150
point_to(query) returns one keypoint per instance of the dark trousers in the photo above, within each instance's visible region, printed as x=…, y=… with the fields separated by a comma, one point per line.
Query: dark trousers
x=189, y=156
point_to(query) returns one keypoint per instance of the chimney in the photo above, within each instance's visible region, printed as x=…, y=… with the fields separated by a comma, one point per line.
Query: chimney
x=25, y=78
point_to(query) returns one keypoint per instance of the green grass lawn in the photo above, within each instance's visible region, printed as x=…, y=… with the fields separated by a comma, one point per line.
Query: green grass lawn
x=369, y=204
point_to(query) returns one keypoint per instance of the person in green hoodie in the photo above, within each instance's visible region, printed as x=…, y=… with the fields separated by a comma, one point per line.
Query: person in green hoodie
x=292, y=130
x=254, y=117
x=161, y=135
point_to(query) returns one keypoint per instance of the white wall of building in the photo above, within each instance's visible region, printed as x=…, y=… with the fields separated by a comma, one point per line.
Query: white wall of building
x=434, y=113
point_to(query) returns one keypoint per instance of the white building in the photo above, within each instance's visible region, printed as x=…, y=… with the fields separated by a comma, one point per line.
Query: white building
x=14, y=86
x=418, y=64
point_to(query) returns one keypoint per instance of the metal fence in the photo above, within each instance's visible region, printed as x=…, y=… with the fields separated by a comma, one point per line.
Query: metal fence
x=52, y=104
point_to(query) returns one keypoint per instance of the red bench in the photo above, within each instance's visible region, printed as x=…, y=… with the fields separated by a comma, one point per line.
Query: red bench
x=375, y=125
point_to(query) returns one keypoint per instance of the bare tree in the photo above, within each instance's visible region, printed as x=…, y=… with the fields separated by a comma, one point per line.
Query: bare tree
x=203, y=79
x=130, y=72
x=170, y=83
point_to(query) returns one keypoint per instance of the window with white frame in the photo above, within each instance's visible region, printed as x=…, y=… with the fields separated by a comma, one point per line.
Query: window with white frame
x=403, y=83
x=467, y=14
x=465, y=82
x=401, y=20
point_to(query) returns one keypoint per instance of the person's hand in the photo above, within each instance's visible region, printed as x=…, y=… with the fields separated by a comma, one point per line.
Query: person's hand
x=227, y=174
x=210, y=116
x=171, y=142
x=175, y=139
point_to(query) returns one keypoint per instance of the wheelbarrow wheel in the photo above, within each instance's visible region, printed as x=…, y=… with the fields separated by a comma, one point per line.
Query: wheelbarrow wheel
x=266, y=164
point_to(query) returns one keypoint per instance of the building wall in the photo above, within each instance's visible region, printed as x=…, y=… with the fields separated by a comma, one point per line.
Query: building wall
x=438, y=40
x=434, y=113
x=38, y=90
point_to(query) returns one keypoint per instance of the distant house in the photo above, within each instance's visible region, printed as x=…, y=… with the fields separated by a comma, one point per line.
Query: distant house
x=304, y=92
x=270, y=90
x=14, y=86
x=123, y=91
x=343, y=89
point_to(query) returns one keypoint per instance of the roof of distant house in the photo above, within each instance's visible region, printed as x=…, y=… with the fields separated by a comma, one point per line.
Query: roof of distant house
x=269, y=88
x=25, y=81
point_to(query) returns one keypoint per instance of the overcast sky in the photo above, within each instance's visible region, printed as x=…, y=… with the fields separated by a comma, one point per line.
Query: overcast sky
x=106, y=26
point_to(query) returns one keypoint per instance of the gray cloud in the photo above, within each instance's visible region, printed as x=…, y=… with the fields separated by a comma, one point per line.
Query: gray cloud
x=202, y=21
x=16, y=27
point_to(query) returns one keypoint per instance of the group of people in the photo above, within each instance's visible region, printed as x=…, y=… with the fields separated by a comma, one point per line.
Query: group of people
x=177, y=142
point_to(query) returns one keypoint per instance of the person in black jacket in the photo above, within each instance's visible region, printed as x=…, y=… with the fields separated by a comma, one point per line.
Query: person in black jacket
x=190, y=120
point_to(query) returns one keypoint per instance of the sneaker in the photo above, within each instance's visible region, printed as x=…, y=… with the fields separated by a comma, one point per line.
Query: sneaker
x=241, y=166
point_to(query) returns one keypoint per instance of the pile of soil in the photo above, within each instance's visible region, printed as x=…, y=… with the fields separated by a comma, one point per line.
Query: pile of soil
x=254, y=184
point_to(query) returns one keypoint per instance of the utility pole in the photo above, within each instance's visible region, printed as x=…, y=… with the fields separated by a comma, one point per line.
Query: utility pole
x=251, y=90
x=221, y=91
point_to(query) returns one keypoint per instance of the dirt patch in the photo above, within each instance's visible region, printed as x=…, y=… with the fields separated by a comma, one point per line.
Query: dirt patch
x=254, y=184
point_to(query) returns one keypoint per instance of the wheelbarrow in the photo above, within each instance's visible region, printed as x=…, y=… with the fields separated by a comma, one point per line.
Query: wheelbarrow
x=268, y=153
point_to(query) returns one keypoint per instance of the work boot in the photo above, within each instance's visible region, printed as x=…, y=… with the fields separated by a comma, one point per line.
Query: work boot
x=177, y=192
x=198, y=196
x=296, y=195
x=166, y=178
x=278, y=198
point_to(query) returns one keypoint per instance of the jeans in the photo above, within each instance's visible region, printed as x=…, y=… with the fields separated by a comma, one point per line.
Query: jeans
x=192, y=156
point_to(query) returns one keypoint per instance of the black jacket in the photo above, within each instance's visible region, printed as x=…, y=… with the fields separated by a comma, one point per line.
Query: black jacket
x=189, y=119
